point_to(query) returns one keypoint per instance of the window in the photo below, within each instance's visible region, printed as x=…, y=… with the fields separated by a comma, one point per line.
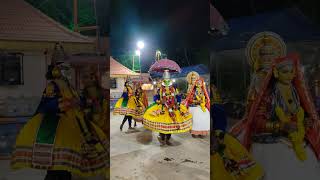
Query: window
x=11, y=69
x=113, y=82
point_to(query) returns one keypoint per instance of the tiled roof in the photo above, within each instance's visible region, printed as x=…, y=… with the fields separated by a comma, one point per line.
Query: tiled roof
x=21, y=21
x=118, y=69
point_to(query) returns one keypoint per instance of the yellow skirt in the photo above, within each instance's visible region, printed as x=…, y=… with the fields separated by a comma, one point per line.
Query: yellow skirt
x=131, y=109
x=250, y=170
x=154, y=120
x=67, y=152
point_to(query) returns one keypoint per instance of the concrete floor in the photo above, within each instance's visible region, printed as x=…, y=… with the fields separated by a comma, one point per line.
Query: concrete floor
x=138, y=155
x=7, y=174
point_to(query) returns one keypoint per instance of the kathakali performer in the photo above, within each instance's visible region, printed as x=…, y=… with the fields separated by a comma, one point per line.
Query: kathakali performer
x=261, y=50
x=229, y=159
x=282, y=125
x=129, y=105
x=58, y=138
x=94, y=100
x=141, y=100
x=199, y=105
x=167, y=116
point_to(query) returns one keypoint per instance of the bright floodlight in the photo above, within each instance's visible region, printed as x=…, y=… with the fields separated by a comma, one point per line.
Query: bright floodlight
x=154, y=82
x=138, y=53
x=174, y=80
x=140, y=44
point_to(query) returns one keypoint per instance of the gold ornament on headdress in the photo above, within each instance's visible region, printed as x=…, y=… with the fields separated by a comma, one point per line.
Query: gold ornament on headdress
x=58, y=54
x=158, y=55
x=192, y=75
x=265, y=43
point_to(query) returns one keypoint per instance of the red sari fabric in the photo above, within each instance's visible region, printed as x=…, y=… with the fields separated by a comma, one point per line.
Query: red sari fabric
x=256, y=118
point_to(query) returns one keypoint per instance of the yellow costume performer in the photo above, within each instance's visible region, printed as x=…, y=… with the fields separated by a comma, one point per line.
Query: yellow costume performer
x=231, y=161
x=141, y=102
x=167, y=115
x=58, y=138
x=129, y=104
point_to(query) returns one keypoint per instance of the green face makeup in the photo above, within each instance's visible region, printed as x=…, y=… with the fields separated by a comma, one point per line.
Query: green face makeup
x=167, y=82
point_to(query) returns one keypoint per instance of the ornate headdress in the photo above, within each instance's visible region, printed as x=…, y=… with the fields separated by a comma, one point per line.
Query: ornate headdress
x=265, y=43
x=166, y=78
x=166, y=74
x=192, y=76
x=57, y=62
x=267, y=48
x=158, y=55
x=128, y=80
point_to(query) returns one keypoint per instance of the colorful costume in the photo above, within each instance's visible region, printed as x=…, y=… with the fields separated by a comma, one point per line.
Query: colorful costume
x=229, y=159
x=58, y=137
x=95, y=102
x=128, y=104
x=141, y=102
x=261, y=51
x=167, y=115
x=277, y=126
x=199, y=104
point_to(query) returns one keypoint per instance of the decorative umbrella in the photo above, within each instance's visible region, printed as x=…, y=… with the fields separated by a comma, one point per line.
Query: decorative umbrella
x=165, y=64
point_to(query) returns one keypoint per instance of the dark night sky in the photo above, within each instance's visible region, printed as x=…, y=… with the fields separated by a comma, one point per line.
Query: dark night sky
x=172, y=25
x=165, y=24
x=235, y=8
x=175, y=23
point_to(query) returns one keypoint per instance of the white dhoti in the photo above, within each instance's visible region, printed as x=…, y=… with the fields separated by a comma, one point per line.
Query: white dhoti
x=200, y=121
x=279, y=162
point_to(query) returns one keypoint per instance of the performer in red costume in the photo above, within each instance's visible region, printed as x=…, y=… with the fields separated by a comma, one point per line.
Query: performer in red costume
x=281, y=123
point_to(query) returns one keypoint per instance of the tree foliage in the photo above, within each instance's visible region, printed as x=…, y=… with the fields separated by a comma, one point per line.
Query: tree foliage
x=62, y=11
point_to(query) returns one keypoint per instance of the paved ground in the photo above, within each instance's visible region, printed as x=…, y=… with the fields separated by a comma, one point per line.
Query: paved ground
x=27, y=174
x=138, y=155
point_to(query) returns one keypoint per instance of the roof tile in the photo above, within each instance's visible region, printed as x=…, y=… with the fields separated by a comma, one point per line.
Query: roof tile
x=118, y=69
x=21, y=21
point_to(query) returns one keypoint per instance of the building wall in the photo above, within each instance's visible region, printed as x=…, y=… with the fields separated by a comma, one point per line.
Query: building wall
x=117, y=92
x=19, y=100
x=105, y=80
